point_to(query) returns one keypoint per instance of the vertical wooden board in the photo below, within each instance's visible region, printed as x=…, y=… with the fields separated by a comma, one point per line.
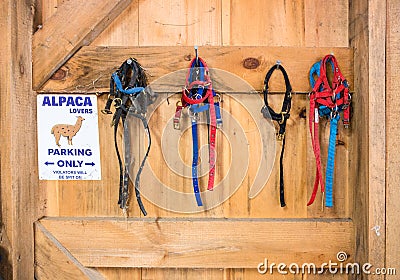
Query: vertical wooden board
x=49, y=7
x=393, y=135
x=326, y=23
x=377, y=131
x=174, y=22
x=121, y=273
x=265, y=23
x=226, y=22
x=359, y=40
x=21, y=201
x=123, y=31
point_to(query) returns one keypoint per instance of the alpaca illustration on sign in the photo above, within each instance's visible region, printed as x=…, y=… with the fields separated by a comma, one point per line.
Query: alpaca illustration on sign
x=66, y=130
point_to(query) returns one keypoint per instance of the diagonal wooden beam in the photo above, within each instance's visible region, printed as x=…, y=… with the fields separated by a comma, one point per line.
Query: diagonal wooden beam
x=53, y=261
x=75, y=24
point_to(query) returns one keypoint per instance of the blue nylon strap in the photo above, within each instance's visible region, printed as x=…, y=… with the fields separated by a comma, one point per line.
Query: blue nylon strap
x=195, y=109
x=323, y=111
x=330, y=164
x=315, y=69
x=205, y=107
x=198, y=109
x=218, y=114
x=195, y=162
x=129, y=91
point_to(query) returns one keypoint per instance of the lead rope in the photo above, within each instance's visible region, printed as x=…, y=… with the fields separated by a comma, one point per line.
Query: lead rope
x=281, y=118
x=198, y=90
x=326, y=101
x=131, y=96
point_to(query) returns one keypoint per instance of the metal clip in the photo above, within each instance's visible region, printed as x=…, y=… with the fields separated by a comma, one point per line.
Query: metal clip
x=346, y=124
x=118, y=102
x=283, y=117
x=192, y=115
x=334, y=112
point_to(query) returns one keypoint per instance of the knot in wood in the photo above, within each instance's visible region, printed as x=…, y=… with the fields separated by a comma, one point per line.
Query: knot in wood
x=60, y=74
x=188, y=57
x=251, y=63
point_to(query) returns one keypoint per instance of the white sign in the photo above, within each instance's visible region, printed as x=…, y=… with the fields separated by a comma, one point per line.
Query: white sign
x=68, y=137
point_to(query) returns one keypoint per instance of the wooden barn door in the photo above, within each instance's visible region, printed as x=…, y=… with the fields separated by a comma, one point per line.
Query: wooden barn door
x=84, y=234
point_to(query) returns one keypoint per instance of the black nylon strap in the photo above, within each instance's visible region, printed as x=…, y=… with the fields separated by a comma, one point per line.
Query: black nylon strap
x=131, y=75
x=281, y=118
x=137, y=179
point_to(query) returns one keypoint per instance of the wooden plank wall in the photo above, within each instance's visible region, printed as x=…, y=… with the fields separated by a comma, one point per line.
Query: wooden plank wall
x=218, y=23
x=393, y=134
x=21, y=201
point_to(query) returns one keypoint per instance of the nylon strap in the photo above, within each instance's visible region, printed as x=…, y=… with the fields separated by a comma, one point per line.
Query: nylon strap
x=330, y=164
x=130, y=94
x=198, y=90
x=281, y=118
x=195, y=147
x=329, y=102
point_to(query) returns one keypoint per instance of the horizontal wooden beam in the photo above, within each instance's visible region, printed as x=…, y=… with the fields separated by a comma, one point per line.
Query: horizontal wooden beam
x=53, y=261
x=90, y=69
x=75, y=24
x=200, y=243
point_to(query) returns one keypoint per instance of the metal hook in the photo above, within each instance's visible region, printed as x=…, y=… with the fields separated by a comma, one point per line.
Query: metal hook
x=278, y=63
x=196, y=48
x=377, y=230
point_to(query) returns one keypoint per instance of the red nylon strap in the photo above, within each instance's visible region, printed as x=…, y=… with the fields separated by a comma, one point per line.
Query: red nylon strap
x=177, y=116
x=313, y=123
x=213, y=132
x=191, y=101
x=326, y=97
x=213, y=119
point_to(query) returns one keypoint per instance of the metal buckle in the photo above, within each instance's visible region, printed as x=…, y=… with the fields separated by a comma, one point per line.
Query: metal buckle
x=219, y=98
x=280, y=136
x=106, y=111
x=117, y=100
x=192, y=115
x=283, y=117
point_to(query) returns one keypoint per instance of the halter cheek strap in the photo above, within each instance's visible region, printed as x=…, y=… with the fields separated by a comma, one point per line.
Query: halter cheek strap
x=281, y=118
